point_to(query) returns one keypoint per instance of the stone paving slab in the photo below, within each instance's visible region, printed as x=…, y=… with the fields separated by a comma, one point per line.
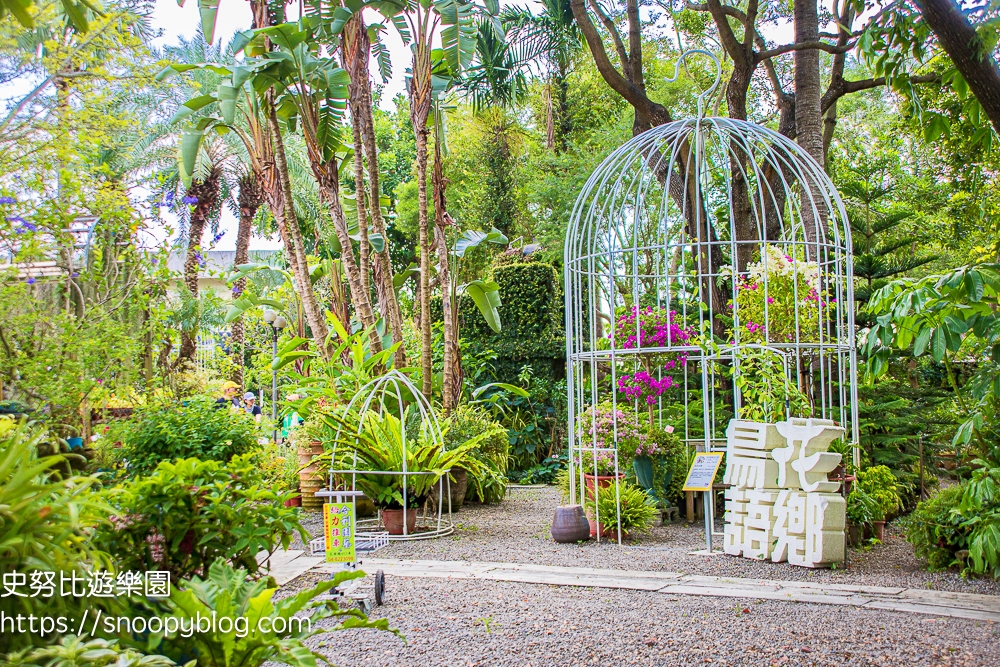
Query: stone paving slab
x=289, y=564
x=935, y=603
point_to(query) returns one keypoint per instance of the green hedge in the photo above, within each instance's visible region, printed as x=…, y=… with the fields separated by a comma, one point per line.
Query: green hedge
x=532, y=322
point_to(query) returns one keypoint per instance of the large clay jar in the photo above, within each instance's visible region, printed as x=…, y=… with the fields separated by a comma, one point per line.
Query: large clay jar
x=393, y=520
x=570, y=524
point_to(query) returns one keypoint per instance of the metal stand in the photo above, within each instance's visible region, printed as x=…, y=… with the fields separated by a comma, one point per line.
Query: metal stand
x=366, y=596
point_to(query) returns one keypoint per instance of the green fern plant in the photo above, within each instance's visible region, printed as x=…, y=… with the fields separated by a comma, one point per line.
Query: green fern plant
x=71, y=651
x=381, y=445
x=45, y=523
x=264, y=629
x=636, y=509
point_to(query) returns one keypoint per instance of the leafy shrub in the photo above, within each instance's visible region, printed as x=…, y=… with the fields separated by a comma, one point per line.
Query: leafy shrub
x=71, y=651
x=279, y=467
x=189, y=513
x=471, y=422
x=226, y=592
x=670, y=465
x=546, y=472
x=937, y=530
x=609, y=427
x=861, y=507
x=879, y=483
x=981, y=507
x=637, y=509
x=169, y=432
x=381, y=446
x=44, y=524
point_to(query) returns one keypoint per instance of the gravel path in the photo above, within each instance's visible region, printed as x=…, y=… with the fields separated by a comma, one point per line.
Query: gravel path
x=517, y=531
x=474, y=622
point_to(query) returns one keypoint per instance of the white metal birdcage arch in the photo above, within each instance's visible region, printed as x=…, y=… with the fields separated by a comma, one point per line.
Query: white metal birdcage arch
x=669, y=229
x=395, y=390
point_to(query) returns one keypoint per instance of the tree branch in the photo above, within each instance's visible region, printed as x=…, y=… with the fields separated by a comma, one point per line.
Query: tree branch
x=609, y=25
x=656, y=113
x=804, y=46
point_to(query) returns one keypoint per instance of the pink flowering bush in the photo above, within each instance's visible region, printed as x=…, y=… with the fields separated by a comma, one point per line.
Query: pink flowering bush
x=651, y=328
x=768, y=314
x=598, y=427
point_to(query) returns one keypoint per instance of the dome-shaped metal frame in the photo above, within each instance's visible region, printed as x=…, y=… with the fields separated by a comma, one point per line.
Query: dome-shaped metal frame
x=665, y=235
x=393, y=392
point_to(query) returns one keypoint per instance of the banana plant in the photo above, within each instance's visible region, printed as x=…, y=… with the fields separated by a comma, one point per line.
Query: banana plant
x=352, y=365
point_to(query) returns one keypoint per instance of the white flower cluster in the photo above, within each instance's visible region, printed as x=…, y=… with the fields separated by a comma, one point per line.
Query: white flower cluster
x=776, y=262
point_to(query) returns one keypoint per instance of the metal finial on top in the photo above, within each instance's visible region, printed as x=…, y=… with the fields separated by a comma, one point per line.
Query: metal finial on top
x=715, y=84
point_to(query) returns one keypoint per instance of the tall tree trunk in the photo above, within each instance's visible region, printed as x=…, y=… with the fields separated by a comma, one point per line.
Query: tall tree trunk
x=563, y=122
x=968, y=51
x=550, y=124
x=250, y=199
x=329, y=192
x=354, y=51
x=808, y=114
x=420, y=107
x=450, y=379
x=206, y=194
x=291, y=236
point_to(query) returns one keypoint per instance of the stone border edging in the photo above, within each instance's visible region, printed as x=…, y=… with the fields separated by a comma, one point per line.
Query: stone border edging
x=936, y=603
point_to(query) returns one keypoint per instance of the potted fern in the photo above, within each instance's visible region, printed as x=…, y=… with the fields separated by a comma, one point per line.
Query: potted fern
x=381, y=445
x=630, y=503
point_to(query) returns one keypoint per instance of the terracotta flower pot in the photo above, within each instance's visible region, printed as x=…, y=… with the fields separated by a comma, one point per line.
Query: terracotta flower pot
x=879, y=530
x=393, y=521
x=600, y=481
x=607, y=532
x=570, y=524
x=294, y=501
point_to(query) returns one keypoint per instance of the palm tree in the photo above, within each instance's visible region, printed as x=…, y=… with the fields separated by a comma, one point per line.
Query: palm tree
x=249, y=198
x=420, y=22
x=553, y=36
x=356, y=41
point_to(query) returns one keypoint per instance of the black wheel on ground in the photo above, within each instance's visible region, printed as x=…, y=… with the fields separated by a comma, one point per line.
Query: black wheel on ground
x=379, y=587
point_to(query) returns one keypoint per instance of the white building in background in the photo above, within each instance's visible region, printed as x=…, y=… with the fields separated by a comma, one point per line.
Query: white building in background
x=218, y=265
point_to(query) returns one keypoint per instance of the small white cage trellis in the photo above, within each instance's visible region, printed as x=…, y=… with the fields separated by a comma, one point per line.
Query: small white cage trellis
x=698, y=246
x=393, y=393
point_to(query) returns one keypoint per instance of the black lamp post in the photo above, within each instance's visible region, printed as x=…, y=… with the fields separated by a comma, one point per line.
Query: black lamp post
x=277, y=323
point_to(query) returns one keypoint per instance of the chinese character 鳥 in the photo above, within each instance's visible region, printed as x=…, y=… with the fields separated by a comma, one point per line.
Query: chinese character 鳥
x=158, y=584
x=780, y=504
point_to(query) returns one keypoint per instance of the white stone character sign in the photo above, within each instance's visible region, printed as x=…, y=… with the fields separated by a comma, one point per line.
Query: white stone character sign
x=780, y=504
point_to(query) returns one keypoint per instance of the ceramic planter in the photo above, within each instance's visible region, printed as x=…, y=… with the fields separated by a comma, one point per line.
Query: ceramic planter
x=855, y=534
x=393, y=521
x=294, y=501
x=458, y=486
x=570, y=524
x=600, y=481
x=643, y=467
x=878, y=528
x=310, y=479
